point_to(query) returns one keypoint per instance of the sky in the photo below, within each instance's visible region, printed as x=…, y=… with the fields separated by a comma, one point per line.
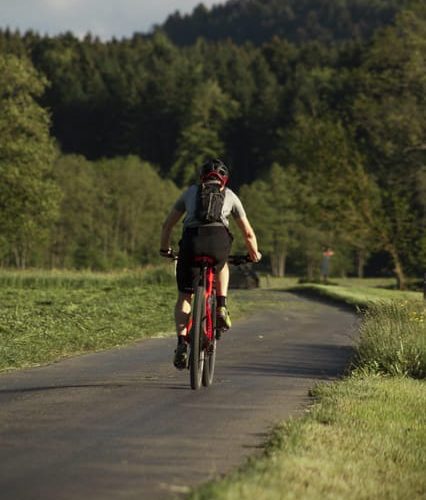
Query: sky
x=104, y=18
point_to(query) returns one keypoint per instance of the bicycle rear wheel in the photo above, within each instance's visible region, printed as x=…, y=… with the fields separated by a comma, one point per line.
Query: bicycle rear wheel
x=196, y=357
x=210, y=351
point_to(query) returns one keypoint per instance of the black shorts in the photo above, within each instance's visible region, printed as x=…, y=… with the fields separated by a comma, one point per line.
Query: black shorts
x=211, y=241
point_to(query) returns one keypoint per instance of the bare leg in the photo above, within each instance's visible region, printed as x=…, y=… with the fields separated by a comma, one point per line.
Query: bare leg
x=182, y=311
x=223, y=319
x=223, y=281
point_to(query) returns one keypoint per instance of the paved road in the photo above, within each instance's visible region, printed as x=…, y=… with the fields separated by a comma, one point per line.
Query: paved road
x=123, y=424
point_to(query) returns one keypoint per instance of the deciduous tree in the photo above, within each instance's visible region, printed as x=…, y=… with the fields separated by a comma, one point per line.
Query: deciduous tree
x=28, y=196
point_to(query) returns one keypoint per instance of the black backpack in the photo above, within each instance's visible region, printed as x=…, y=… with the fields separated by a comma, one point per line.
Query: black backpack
x=210, y=201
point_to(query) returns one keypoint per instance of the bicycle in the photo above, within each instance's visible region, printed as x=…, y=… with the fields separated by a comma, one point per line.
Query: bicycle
x=202, y=328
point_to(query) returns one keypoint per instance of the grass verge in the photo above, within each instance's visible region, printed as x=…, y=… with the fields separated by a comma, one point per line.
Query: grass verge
x=365, y=436
x=359, y=295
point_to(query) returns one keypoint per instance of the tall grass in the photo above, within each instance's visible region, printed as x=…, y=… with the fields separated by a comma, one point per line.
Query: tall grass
x=393, y=339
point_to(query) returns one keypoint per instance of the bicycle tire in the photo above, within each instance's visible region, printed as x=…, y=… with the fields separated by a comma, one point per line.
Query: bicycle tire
x=196, y=357
x=210, y=354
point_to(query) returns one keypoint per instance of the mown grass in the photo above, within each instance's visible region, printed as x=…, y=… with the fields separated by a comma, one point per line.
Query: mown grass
x=49, y=315
x=354, y=291
x=365, y=436
x=42, y=325
x=275, y=282
x=357, y=295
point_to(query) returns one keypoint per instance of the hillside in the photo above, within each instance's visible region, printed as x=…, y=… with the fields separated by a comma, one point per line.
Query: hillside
x=298, y=21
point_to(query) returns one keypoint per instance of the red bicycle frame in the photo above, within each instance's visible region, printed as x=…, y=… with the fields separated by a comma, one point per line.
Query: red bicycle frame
x=201, y=326
x=207, y=279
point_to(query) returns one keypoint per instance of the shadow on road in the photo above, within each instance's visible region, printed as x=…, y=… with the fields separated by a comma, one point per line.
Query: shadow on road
x=321, y=361
x=58, y=388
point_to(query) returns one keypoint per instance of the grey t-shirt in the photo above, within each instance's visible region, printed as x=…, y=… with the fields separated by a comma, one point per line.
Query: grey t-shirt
x=188, y=203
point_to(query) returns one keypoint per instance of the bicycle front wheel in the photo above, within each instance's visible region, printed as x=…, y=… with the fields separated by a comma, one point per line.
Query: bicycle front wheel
x=196, y=357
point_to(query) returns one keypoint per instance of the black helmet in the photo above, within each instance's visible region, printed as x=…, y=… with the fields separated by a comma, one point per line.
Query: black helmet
x=214, y=169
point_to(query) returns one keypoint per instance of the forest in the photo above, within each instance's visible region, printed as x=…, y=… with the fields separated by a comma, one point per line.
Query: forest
x=319, y=113
x=298, y=21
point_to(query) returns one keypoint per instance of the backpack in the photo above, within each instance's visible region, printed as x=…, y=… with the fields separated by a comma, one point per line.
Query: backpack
x=210, y=201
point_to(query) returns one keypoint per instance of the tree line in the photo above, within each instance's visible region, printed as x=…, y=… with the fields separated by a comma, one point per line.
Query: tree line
x=298, y=21
x=325, y=143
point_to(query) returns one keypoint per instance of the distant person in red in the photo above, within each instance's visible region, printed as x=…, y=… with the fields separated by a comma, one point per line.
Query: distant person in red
x=325, y=263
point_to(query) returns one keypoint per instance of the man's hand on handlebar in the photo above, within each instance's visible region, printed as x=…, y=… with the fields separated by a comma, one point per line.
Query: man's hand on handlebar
x=255, y=256
x=238, y=260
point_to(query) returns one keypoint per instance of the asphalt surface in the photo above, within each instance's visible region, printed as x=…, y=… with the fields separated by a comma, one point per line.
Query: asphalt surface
x=124, y=424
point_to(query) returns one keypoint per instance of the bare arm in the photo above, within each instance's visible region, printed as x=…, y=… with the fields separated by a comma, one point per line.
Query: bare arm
x=249, y=238
x=167, y=228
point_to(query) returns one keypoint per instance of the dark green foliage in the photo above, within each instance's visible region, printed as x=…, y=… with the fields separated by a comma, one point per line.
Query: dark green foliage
x=111, y=213
x=296, y=20
x=391, y=124
x=28, y=197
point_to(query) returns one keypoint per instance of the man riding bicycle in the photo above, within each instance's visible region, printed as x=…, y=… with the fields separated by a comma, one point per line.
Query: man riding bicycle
x=208, y=206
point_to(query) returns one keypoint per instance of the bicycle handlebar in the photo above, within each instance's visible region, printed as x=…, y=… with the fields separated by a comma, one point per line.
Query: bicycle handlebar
x=235, y=260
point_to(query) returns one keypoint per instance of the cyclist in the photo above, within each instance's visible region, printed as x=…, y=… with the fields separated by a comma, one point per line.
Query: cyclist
x=212, y=239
